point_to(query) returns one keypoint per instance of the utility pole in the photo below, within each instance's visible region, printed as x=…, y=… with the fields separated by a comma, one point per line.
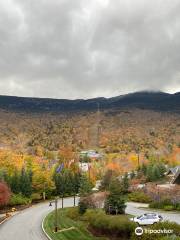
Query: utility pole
x=74, y=199
x=56, y=216
x=62, y=199
x=55, y=201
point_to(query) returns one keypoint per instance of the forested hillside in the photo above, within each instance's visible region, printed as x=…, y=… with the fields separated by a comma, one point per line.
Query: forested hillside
x=34, y=143
x=118, y=133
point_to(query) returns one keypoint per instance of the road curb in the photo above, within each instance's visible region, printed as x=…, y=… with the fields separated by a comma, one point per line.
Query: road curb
x=8, y=218
x=5, y=220
x=15, y=213
x=42, y=226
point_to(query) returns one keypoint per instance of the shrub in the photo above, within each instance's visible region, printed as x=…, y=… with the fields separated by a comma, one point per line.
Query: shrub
x=100, y=222
x=169, y=207
x=89, y=215
x=35, y=197
x=165, y=204
x=178, y=207
x=82, y=206
x=85, y=203
x=166, y=201
x=18, y=199
x=156, y=205
x=117, y=226
x=121, y=226
x=4, y=194
x=50, y=193
x=73, y=213
x=139, y=196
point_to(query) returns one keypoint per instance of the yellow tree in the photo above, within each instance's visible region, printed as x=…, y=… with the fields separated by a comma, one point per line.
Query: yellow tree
x=67, y=155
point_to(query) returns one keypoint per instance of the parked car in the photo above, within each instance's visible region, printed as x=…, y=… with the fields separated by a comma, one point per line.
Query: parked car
x=147, y=219
x=154, y=214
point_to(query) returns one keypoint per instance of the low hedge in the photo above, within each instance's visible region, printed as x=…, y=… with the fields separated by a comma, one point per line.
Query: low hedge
x=116, y=226
x=36, y=197
x=139, y=196
x=73, y=213
x=166, y=205
x=18, y=199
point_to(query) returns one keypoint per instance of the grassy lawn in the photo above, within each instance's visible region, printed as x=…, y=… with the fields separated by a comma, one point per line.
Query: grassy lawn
x=79, y=232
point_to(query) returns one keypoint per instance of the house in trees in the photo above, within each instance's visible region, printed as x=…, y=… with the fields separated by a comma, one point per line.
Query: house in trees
x=173, y=171
x=89, y=155
x=174, y=174
x=176, y=179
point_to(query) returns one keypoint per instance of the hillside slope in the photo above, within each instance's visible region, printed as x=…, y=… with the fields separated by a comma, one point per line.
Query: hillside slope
x=158, y=101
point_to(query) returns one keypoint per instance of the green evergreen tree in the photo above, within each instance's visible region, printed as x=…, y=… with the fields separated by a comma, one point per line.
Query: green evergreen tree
x=106, y=180
x=85, y=186
x=15, y=183
x=115, y=202
x=149, y=172
x=125, y=183
x=76, y=185
x=144, y=169
x=68, y=176
x=162, y=169
x=25, y=184
x=155, y=173
x=76, y=182
x=59, y=183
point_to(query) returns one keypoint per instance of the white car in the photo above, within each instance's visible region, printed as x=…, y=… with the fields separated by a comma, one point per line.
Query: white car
x=147, y=219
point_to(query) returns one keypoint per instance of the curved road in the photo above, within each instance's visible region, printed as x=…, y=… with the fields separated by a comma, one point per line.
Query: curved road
x=26, y=225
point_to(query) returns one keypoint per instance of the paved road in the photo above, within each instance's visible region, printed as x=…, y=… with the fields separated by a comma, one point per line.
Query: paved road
x=26, y=225
x=136, y=210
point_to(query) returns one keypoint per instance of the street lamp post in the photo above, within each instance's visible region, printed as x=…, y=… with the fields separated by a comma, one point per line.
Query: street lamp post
x=56, y=216
x=62, y=199
x=74, y=199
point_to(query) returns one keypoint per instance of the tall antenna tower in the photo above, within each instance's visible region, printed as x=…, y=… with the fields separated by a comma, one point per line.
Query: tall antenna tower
x=98, y=125
x=94, y=131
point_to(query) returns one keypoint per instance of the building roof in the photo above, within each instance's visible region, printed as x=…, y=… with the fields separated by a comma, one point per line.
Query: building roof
x=176, y=179
x=174, y=170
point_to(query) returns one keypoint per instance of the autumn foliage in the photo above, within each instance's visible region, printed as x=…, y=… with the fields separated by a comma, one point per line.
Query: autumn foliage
x=4, y=194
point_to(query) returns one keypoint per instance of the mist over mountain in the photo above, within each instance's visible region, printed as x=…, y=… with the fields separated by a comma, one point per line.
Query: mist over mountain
x=158, y=101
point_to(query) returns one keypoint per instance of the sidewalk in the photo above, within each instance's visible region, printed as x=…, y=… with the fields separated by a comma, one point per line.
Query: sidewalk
x=138, y=205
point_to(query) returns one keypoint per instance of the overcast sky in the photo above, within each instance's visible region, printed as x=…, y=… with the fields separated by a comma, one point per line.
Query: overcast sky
x=88, y=48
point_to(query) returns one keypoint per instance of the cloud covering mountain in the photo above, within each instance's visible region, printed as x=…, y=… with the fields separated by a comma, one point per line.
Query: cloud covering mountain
x=83, y=49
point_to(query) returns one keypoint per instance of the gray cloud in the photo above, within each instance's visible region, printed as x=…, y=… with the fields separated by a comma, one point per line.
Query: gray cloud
x=81, y=49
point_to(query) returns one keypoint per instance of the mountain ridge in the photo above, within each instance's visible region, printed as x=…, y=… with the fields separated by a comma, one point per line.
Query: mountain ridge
x=159, y=101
